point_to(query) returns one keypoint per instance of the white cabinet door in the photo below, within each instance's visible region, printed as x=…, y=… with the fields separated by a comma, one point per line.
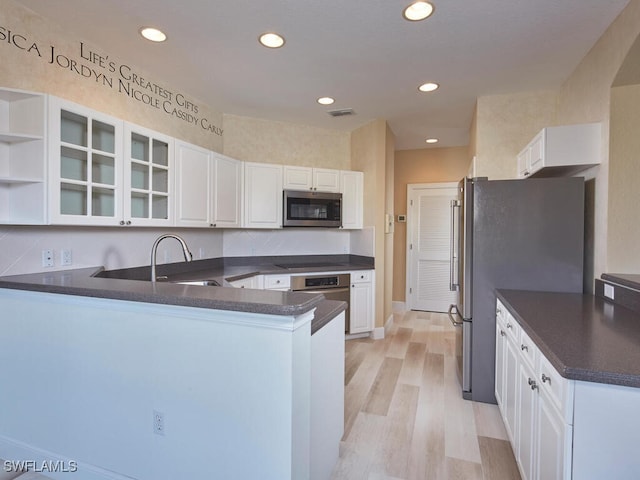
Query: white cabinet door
x=527, y=403
x=262, y=195
x=361, y=306
x=326, y=180
x=148, y=177
x=86, y=165
x=193, y=185
x=227, y=192
x=501, y=352
x=297, y=178
x=351, y=187
x=510, y=391
x=550, y=444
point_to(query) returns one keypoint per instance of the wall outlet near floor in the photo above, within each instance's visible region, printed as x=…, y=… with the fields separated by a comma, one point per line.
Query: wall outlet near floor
x=65, y=257
x=47, y=258
x=158, y=422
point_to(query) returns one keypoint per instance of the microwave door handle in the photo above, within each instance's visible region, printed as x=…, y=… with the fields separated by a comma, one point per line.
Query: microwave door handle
x=453, y=286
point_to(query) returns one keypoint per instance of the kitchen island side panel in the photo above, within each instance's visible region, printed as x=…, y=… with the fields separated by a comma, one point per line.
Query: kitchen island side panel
x=527, y=235
x=85, y=375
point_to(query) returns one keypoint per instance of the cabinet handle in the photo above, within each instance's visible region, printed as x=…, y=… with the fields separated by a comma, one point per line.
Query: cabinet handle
x=212, y=224
x=546, y=379
x=509, y=326
x=533, y=384
x=502, y=334
x=121, y=222
x=523, y=348
x=128, y=222
x=526, y=174
x=277, y=281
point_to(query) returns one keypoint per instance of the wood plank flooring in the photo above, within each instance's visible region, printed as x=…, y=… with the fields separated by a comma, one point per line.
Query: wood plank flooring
x=404, y=414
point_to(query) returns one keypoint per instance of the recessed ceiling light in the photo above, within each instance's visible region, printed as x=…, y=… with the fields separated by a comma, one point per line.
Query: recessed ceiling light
x=153, y=34
x=271, y=40
x=418, y=11
x=428, y=87
x=432, y=140
x=325, y=100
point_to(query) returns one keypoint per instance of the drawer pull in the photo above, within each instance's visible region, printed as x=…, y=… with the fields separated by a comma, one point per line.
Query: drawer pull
x=524, y=347
x=502, y=334
x=533, y=384
x=546, y=379
x=509, y=326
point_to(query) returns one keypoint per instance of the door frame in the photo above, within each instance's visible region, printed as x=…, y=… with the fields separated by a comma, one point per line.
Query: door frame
x=412, y=188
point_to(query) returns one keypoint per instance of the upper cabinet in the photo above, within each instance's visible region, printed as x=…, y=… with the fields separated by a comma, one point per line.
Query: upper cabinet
x=262, y=195
x=85, y=166
x=562, y=150
x=351, y=187
x=148, y=182
x=22, y=157
x=104, y=171
x=306, y=178
x=227, y=194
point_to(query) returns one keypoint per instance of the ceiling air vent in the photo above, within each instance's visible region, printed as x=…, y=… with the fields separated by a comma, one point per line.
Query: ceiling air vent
x=342, y=112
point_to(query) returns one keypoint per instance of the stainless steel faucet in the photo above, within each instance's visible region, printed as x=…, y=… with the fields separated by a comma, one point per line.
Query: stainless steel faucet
x=154, y=251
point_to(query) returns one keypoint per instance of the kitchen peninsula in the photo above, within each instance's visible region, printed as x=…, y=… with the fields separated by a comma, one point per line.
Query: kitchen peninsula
x=166, y=380
x=567, y=382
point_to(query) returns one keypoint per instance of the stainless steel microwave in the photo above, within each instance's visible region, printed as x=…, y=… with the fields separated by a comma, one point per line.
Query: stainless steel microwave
x=312, y=209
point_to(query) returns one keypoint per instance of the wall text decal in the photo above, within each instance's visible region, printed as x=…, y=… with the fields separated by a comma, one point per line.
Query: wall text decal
x=119, y=77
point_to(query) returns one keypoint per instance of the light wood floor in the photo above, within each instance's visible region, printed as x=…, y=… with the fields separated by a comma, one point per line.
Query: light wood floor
x=404, y=414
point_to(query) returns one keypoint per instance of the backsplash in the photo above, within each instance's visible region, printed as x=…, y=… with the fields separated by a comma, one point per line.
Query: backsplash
x=115, y=248
x=21, y=247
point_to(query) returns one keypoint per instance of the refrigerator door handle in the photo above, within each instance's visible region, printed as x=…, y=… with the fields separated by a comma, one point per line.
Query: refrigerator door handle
x=453, y=286
x=455, y=323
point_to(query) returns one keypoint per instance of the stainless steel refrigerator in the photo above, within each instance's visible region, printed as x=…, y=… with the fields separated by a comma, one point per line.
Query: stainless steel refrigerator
x=515, y=234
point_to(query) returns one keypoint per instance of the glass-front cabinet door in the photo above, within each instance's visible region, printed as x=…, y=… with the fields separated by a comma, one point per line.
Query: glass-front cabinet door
x=85, y=168
x=148, y=177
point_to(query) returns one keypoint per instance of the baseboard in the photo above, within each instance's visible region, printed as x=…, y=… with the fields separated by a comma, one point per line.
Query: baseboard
x=377, y=333
x=50, y=464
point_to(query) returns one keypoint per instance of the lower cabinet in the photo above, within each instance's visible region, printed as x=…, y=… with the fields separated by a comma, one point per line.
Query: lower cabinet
x=361, y=302
x=535, y=402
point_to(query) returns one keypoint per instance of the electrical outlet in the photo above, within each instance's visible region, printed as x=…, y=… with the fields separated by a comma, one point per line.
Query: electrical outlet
x=65, y=257
x=47, y=258
x=608, y=291
x=158, y=422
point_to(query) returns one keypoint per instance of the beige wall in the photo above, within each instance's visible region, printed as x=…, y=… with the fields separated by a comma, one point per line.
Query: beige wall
x=27, y=67
x=389, y=238
x=427, y=165
x=257, y=140
x=623, y=246
x=504, y=126
x=369, y=155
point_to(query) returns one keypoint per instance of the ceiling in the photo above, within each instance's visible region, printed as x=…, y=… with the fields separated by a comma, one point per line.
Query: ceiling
x=361, y=52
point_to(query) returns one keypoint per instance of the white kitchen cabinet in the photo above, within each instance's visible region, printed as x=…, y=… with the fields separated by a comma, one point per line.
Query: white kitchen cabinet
x=194, y=188
x=255, y=281
x=262, y=195
x=148, y=177
x=277, y=282
x=22, y=157
x=535, y=401
x=561, y=150
x=361, y=305
x=226, y=209
x=85, y=165
x=208, y=188
x=307, y=178
x=351, y=187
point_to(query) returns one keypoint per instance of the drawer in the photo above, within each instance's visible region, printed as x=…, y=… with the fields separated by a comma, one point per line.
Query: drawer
x=552, y=383
x=277, y=281
x=511, y=327
x=363, y=276
x=528, y=349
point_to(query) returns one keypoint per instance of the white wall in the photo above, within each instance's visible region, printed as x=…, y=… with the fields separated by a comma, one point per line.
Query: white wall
x=21, y=247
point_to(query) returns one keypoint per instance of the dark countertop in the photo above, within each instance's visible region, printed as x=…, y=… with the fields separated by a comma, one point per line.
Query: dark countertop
x=133, y=285
x=584, y=337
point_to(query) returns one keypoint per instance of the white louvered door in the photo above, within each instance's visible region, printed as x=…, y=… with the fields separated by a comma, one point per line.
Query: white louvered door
x=429, y=247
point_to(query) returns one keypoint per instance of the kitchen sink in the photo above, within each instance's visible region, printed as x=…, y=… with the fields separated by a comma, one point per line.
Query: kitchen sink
x=204, y=283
